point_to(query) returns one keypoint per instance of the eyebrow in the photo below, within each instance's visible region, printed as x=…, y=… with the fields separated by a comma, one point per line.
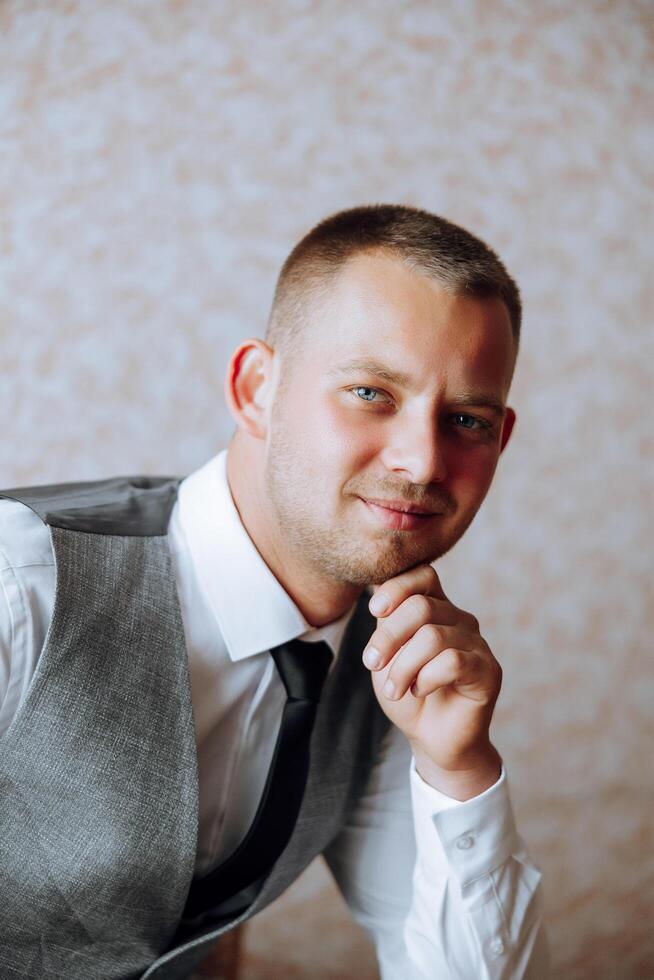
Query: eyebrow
x=366, y=366
x=372, y=367
x=494, y=405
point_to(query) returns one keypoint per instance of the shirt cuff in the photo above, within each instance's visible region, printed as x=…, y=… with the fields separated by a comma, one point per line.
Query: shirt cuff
x=468, y=838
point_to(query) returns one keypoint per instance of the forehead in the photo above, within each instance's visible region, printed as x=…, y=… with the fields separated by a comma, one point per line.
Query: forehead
x=377, y=305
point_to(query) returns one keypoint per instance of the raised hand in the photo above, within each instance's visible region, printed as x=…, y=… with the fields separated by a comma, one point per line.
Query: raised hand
x=437, y=680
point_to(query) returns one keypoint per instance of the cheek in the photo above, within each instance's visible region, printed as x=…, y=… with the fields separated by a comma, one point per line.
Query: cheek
x=348, y=435
x=471, y=473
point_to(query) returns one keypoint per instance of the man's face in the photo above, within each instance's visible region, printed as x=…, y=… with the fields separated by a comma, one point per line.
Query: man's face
x=395, y=401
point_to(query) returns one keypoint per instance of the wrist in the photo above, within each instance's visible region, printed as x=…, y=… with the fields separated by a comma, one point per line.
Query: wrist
x=462, y=783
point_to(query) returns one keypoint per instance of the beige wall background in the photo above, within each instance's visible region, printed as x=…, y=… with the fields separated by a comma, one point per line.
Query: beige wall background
x=159, y=159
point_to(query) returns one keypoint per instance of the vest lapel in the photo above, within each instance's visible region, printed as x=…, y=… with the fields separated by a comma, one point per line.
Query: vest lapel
x=347, y=733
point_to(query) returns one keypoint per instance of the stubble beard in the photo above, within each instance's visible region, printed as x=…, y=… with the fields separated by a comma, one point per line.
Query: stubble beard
x=336, y=552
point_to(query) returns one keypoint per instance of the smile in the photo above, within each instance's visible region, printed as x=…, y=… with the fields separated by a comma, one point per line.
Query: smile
x=398, y=515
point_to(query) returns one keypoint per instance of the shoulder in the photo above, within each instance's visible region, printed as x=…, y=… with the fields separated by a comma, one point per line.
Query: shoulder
x=122, y=505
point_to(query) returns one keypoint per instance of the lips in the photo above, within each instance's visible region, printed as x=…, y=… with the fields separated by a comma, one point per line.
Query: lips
x=398, y=515
x=400, y=505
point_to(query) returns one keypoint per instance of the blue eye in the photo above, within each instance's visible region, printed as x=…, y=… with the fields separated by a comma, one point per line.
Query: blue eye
x=467, y=421
x=471, y=422
x=369, y=393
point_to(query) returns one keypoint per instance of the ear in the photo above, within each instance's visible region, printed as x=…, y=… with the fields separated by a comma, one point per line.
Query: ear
x=248, y=386
x=507, y=429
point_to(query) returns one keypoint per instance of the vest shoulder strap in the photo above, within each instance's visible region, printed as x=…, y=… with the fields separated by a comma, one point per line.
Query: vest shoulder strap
x=132, y=506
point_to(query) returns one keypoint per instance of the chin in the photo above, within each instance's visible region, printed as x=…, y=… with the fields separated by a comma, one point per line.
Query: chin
x=375, y=569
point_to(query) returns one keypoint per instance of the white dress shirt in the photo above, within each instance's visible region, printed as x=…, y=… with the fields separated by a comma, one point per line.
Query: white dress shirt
x=445, y=888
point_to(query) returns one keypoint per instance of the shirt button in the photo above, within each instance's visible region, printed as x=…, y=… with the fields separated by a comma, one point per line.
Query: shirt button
x=496, y=947
x=465, y=842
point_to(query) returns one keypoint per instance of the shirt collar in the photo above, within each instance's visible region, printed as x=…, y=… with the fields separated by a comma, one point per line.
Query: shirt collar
x=253, y=611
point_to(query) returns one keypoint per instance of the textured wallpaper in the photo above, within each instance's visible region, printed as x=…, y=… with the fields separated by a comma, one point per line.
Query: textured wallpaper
x=159, y=159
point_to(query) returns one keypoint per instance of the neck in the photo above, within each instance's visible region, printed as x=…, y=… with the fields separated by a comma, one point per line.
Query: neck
x=319, y=598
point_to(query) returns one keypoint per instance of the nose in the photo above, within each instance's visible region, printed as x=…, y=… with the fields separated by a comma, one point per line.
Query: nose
x=415, y=450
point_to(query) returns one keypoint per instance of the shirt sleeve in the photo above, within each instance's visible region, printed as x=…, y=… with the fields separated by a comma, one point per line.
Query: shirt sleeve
x=13, y=641
x=27, y=584
x=445, y=889
x=6, y=633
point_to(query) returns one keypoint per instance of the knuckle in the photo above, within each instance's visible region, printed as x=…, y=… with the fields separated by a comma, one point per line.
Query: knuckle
x=434, y=583
x=420, y=606
x=466, y=620
x=433, y=633
x=457, y=660
x=472, y=622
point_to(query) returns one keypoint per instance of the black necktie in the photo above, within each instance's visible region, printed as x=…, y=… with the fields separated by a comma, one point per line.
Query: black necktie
x=303, y=668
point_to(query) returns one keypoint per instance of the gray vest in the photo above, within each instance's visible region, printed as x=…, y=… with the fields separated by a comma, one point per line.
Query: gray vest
x=98, y=770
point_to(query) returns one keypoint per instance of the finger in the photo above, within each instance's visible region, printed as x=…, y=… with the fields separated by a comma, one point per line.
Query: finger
x=422, y=580
x=425, y=646
x=396, y=629
x=466, y=671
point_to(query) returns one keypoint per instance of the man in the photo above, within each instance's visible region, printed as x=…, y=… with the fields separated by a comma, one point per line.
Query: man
x=369, y=426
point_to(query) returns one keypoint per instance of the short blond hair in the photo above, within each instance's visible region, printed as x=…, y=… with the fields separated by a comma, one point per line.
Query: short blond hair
x=429, y=244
